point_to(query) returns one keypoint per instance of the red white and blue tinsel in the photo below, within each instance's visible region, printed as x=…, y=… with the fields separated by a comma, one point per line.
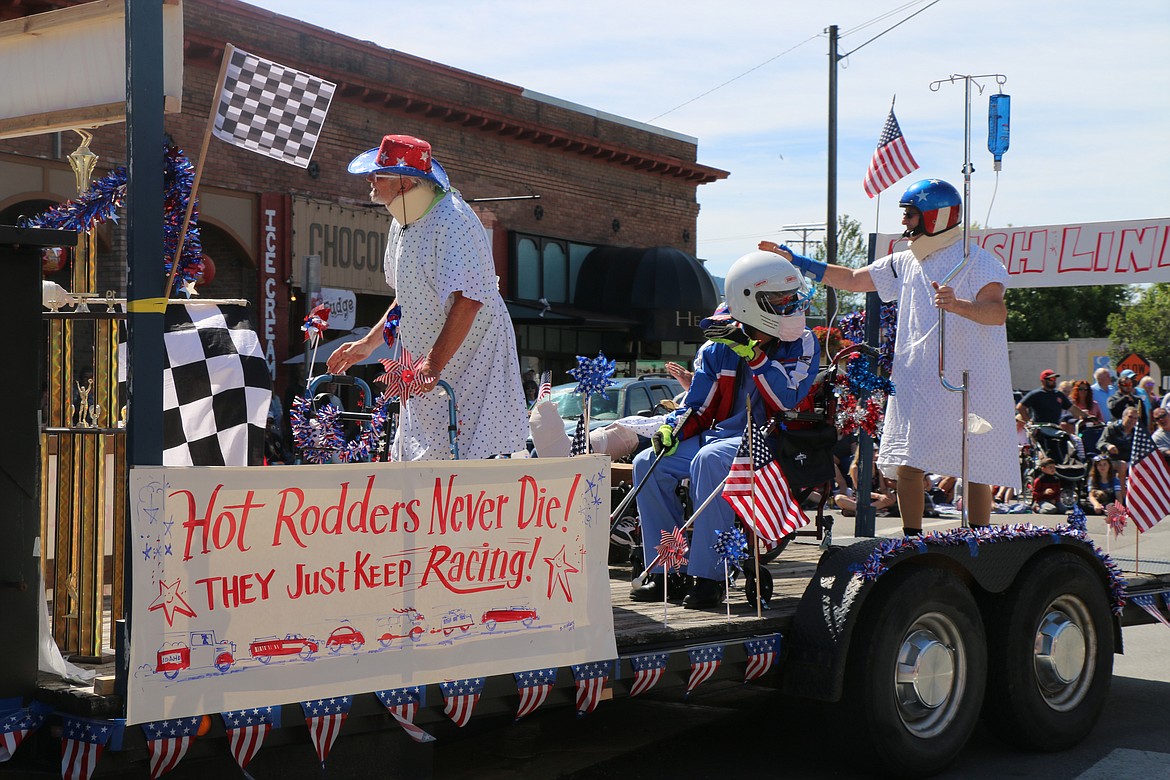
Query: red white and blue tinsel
x=593, y=375
x=316, y=323
x=853, y=328
x=390, y=329
x=877, y=563
x=319, y=437
x=106, y=195
x=861, y=398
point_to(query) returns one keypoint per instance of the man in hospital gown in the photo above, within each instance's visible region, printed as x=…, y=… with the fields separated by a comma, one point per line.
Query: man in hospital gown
x=924, y=422
x=448, y=310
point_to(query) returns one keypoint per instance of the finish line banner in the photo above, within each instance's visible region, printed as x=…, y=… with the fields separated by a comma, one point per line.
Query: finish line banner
x=262, y=586
x=1136, y=251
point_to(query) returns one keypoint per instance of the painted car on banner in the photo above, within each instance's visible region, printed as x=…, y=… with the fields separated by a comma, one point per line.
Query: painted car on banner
x=264, y=649
x=202, y=650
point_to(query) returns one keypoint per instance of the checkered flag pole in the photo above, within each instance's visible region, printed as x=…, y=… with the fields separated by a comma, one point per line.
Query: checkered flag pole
x=265, y=108
x=271, y=109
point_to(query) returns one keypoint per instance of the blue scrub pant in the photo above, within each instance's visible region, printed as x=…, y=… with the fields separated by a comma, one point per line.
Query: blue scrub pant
x=659, y=509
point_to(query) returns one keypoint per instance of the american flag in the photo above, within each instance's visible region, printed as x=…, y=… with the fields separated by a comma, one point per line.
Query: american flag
x=580, y=443
x=774, y=513
x=167, y=742
x=1147, y=491
x=82, y=743
x=460, y=698
x=403, y=704
x=1149, y=603
x=761, y=654
x=704, y=662
x=891, y=160
x=545, y=389
x=16, y=723
x=648, y=670
x=246, y=730
x=590, y=681
x=534, y=687
x=324, y=718
x=270, y=109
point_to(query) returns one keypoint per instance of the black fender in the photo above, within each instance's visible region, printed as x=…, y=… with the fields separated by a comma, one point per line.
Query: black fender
x=818, y=641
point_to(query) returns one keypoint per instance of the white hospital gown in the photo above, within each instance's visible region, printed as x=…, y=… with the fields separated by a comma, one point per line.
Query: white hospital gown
x=923, y=426
x=444, y=252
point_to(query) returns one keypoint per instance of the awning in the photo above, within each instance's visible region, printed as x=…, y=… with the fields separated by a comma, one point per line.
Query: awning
x=666, y=289
x=562, y=314
x=326, y=348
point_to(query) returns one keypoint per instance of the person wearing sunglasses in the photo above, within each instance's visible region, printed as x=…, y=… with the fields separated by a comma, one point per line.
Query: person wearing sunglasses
x=447, y=310
x=758, y=353
x=924, y=421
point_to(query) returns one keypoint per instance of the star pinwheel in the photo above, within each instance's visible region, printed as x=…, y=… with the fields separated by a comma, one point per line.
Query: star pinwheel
x=401, y=377
x=1116, y=516
x=593, y=375
x=316, y=323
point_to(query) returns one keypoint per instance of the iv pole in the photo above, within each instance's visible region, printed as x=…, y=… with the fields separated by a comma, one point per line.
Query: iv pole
x=968, y=169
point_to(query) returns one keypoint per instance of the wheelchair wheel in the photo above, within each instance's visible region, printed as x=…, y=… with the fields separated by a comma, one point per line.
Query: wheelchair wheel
x=749, y=584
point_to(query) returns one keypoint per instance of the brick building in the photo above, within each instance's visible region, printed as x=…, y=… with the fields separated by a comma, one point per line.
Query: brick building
x=617, y=199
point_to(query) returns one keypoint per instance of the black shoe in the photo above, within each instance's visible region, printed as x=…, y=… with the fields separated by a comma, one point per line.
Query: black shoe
x=651, y=590
x=704, y=594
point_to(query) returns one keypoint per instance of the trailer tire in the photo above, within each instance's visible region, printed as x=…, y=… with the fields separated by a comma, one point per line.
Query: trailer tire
x=916, y=673
x=1053, y=639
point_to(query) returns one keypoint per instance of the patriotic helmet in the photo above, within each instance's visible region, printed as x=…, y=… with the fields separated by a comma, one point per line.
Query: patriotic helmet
x=403, y=155
x=939, y=203
x=762, y=289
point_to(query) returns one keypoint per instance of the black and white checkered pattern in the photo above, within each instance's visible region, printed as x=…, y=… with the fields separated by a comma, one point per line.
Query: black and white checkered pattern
x=270, y=109
x=216, y=388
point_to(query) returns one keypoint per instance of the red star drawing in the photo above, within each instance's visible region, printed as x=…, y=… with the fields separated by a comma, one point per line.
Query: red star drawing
x=171, y=601
x=558, y=569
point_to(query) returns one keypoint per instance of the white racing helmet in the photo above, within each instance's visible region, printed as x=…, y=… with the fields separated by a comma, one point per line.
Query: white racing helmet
x=763, y=290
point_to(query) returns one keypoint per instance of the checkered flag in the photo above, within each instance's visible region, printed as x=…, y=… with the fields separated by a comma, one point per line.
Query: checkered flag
x=270, y=109
x=216, y=387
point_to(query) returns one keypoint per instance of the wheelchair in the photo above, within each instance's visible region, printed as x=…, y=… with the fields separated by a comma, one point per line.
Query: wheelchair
x=803, y=440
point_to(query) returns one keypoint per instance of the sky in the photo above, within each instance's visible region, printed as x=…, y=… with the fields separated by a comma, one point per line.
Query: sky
x=1089, y=86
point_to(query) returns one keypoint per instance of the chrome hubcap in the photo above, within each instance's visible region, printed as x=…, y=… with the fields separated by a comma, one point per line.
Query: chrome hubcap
x=930, y=675
x=1064, y=645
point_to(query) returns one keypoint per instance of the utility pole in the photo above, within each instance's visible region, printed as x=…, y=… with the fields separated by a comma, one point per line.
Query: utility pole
x=804, y=230
x=831, y=212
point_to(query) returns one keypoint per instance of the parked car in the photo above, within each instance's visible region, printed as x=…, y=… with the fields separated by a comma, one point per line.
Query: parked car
x=627, y=397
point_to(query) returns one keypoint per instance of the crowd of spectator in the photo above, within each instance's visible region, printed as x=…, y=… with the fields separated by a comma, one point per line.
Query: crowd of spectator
x=1098, y=419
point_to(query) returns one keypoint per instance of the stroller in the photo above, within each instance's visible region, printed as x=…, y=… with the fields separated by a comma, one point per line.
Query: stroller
x=1051, y=441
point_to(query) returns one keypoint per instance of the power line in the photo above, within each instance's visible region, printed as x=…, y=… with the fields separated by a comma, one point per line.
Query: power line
x=861, y=26
x=736, y=78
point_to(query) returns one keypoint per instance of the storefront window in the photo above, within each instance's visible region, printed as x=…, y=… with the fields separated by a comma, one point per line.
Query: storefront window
x=546, y=267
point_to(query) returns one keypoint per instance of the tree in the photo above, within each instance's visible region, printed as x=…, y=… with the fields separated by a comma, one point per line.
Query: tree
x=1060, y=313
x=853, y=252
x=1143, y=326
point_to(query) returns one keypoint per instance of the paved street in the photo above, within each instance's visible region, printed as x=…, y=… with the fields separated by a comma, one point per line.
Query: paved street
x=730, y=729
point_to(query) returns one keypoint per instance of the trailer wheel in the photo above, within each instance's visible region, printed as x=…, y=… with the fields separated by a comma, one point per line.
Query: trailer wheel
x=1053, y=639
x=916, y=674
x=767, y=587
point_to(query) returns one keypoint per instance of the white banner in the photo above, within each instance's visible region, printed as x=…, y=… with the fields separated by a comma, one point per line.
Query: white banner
x=1132, y=252
x=264, y=586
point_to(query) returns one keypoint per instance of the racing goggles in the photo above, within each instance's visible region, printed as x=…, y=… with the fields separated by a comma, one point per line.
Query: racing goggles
x=785, y=304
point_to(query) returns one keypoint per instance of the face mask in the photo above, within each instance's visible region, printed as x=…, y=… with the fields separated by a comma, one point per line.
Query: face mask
x=791, y=328
x=411, y=206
